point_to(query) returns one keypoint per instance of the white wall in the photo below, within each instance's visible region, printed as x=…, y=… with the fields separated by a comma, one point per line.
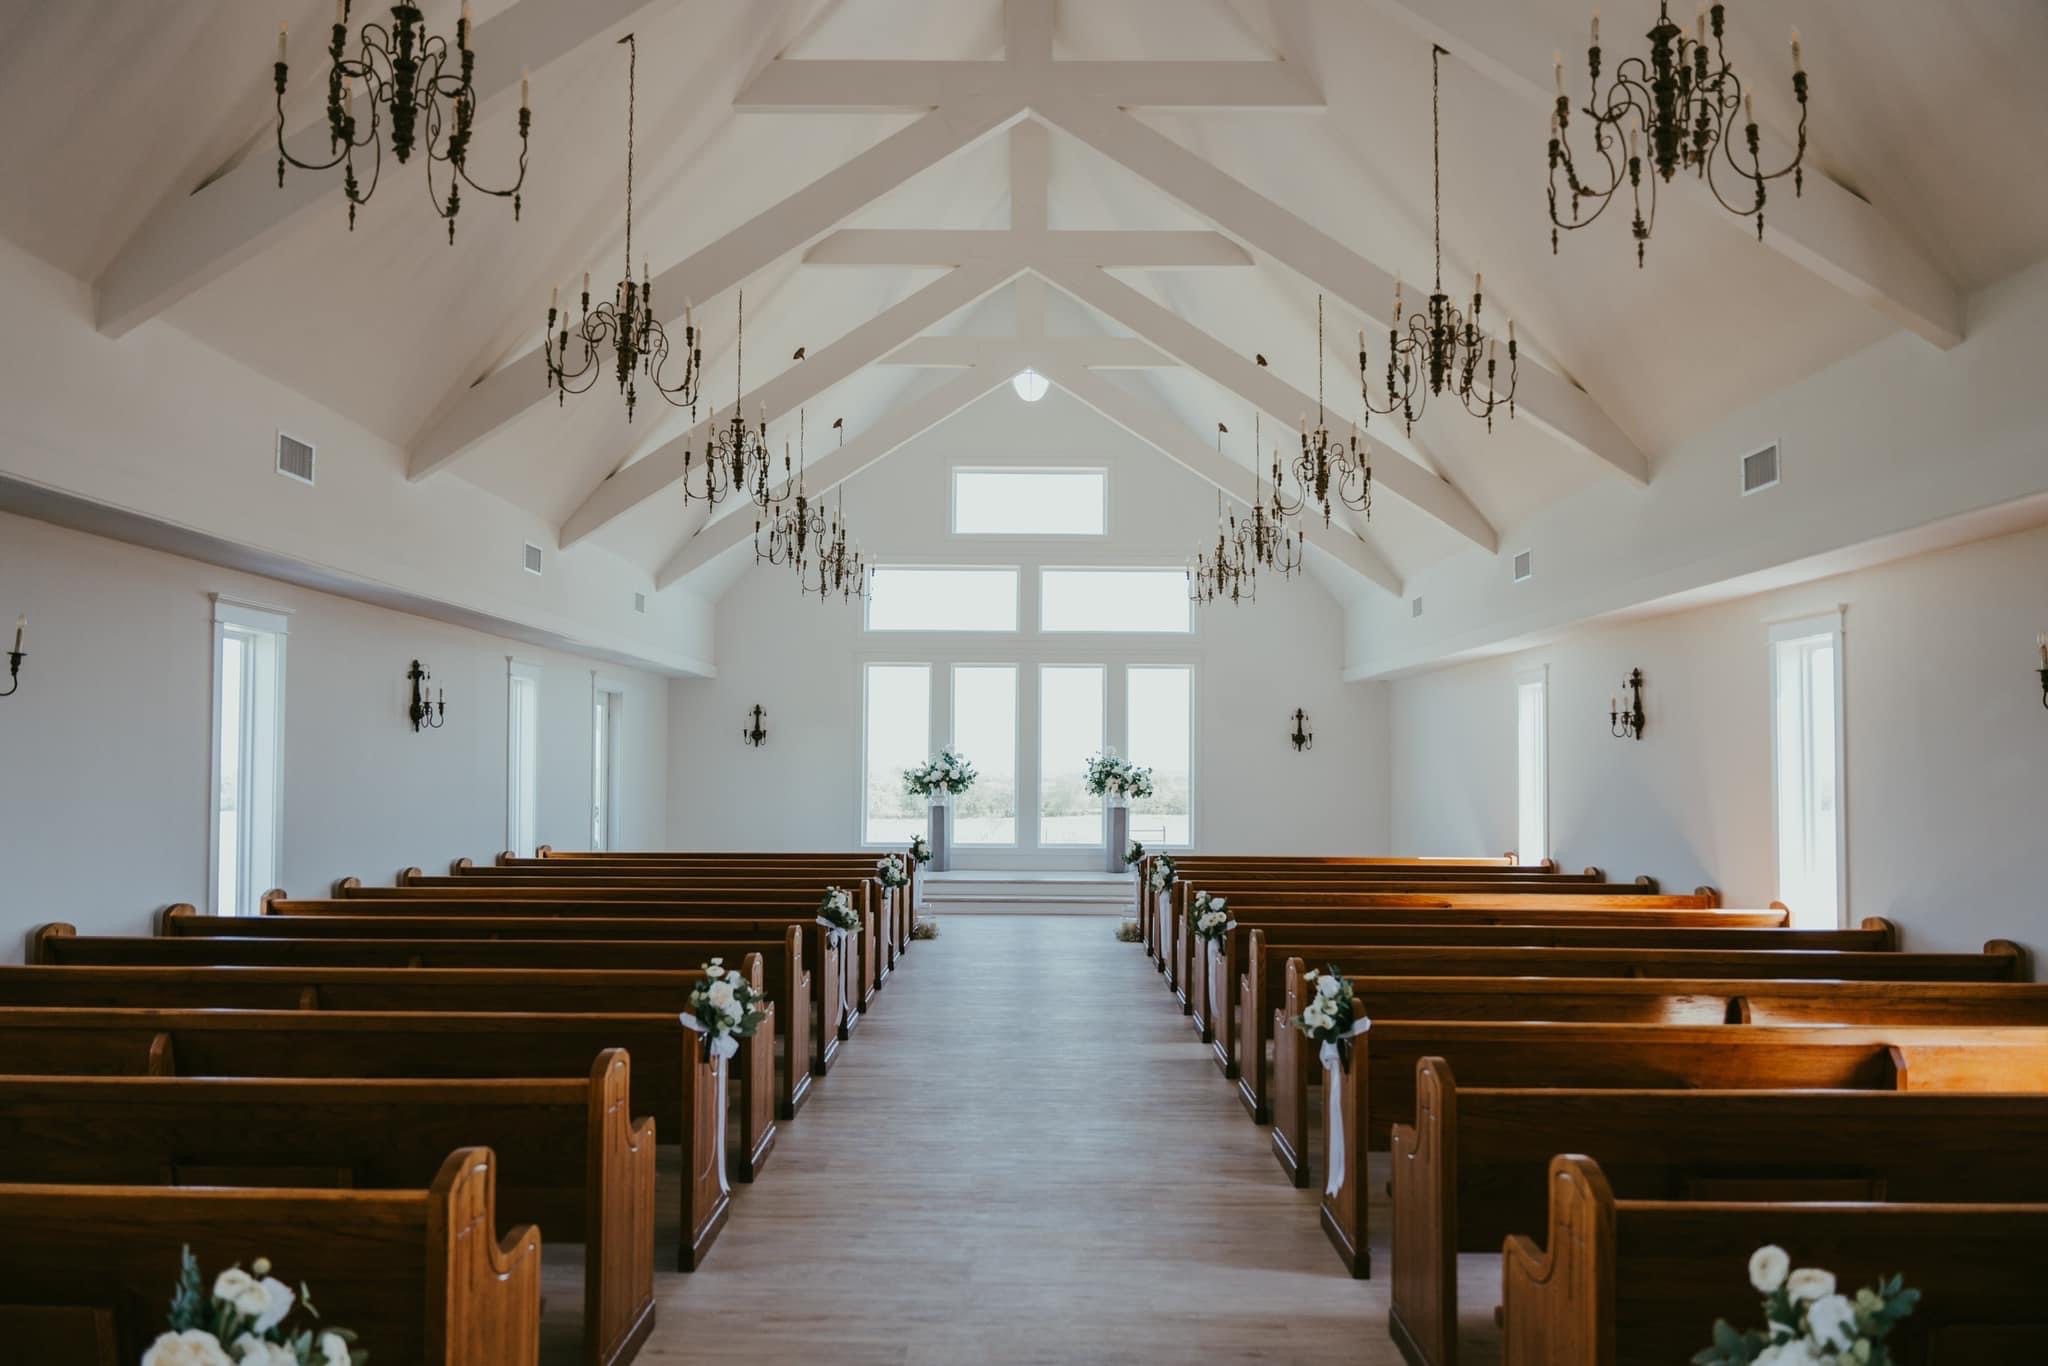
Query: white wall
x=1254, y=664
x=106, y=744
x=1947, y=758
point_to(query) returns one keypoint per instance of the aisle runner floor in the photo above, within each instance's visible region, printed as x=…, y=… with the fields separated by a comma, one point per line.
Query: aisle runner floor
x=1022, y=1156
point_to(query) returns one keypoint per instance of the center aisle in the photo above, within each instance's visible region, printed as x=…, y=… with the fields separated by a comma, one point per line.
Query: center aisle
x=1022, y=1156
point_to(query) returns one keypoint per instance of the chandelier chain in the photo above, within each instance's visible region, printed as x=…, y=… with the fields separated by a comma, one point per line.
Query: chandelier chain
x=632, y=110
x=1436, y=154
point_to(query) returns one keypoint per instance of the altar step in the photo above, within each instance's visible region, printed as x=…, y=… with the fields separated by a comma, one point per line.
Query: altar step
x=1033, y=893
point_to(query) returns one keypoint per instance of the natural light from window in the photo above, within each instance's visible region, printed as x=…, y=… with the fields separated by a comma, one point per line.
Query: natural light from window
x=1153, y=601
x=1069, y=731
x=1030, y=502
x=1806, y=768
x=1532, y=768
x=903, y=598
x=898, y=736
x=985, y=730
x=1160, y=728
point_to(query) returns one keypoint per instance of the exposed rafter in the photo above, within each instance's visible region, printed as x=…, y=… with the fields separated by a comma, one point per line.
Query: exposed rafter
x=196, y=238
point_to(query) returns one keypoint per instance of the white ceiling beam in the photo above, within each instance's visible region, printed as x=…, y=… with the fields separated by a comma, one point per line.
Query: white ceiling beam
x=1828, y=230
x=819, y=85
x=874, y=339
x=1027, y=31
x=497, y=399
x=1094, y=353
x=1263, y=389
x=1544, y=398
x=899, y=425
x=196, y=238
x=1156, y=427
x=1141, y=249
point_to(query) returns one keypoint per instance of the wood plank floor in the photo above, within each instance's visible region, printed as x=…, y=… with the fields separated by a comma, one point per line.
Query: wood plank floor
x=1023, y=1155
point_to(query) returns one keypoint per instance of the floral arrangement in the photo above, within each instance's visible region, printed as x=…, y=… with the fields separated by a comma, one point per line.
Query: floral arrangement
x=1809, y=1324
x=248, y=1310
x=1211, y=917
x=836, y=911
x=1117, y=779
x=947, y=773
x=1129, y=931
x=920, y=849
x=891, y=870
x=924, y=927
x=1329, y=1015
x=1164, y=871
x=1132, y=854
x=726, y=1009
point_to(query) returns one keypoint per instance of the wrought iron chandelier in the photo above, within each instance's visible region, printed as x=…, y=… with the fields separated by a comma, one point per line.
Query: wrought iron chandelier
x=1268, y=542
x=735, y=455
x=624, y=325
x=1222, y=572
x=1684, y=101
x=817, y=545
x=1332, y=470
x=1438, y=347
x=405, y=75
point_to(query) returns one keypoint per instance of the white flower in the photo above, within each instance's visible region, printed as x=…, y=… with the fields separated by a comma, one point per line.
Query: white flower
x=719, y=994
x=333, y=1350
x=1767, y=1268
x=1832, y=1319
x=1809, y=1283
x=1328, y=987
x=281, y=1301
x=1319, y=1015
x=249, y=1297
x=189, y=1348
x=1796, y=1353
x=732, y=1010
x=253, y=1351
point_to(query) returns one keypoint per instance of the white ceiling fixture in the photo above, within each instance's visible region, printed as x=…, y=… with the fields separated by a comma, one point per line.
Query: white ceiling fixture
x=1030, y=385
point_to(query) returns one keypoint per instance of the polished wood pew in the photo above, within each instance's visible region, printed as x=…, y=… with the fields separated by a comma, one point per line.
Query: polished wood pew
x=806, y=1050
x=1378, y=1083
x=1634, y=1282
x=415, y=990
x=671, y=1077
x=570, y=1158
x=1242, y=1038
x=1473, y=1168
x=421, y=1274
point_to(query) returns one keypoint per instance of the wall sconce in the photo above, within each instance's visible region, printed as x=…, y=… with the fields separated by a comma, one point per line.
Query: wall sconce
x=1626, y=723
x=425, y=713
x=2040, y=640
x=756, y=734
x=1303, y=738
x=15, y=656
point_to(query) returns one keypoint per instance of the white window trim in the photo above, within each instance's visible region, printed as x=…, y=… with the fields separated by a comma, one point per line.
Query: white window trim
x=1832, y=624
x=1539, y=674
x=1114, y=632
x=250, y=616
x=516, y=668
x=1018, y=573
x=1042, y=467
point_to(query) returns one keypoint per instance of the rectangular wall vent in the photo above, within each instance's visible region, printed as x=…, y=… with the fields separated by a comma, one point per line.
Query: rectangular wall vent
x=294, y=458
x=532, y=558
x=1415, y=608
x=640, y=603
x=1525, y=565
x=1760, y=470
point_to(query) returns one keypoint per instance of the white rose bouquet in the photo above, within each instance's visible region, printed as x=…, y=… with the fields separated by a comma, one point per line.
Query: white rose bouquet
x=1164, y=872
x=1210, y=917
x=920, y=849
x=1807, y=1322
x=248, y=1310
x=946, y=772
x=1135, y=852
x=726, y=1009
x=1330, y=1012
x=891, y=871
x=1117, y=779
x=837, y=913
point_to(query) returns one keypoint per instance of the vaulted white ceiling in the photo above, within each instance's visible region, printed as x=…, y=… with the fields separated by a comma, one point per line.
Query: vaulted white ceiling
x=158, y=186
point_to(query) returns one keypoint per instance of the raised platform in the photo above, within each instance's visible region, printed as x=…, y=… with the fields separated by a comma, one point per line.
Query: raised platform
x=982, y=892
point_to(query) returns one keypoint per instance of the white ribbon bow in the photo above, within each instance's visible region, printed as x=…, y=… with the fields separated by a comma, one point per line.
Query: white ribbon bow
x=723, y=1047
x=1333, y=1095
x=836, y=936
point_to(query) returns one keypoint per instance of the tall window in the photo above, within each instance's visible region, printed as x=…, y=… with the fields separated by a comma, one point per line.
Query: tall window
x=1070, y=716
x=985, y=730
x=899, y=734
x=522, y=757
x=606, y=704
x=1806, y=761
x=248, y=753
x=1532, y=766
x=1159, y=731
x=1030, y=502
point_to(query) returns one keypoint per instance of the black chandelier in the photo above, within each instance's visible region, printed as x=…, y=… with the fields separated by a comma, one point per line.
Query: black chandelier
x=1686, y=101
x=735, y=454
x=803, y=535
x=1222, y=572
x=405, y=74
x=1438, y=347
x=1331, y=470
x=623, y=325
x=1268, y=542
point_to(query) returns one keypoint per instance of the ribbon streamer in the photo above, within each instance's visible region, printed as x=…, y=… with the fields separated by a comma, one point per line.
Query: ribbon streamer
x=1333, y=1094
x=836, y=937
x=722, y=1048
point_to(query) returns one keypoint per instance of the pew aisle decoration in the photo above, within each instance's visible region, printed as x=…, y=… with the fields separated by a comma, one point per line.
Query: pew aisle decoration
x=925, y=927
x=944, y=776
x=891, y=870
x=920, y=849
x=1807, y=1322
x=837, y=915
x=1133, y=852
x=1129, y=931
x=725, y=1008
x=1118, y=782
x=1211, y=916
x=1331, y=1021
x=1164, y=871
x=251, y=1312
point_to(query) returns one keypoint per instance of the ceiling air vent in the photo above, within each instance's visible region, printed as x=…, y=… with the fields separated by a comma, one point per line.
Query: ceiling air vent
x=1415, y=608
x=1525, y=565
x=294, y=458
x=532, y=558
x=1760, y=470
x=640, y=603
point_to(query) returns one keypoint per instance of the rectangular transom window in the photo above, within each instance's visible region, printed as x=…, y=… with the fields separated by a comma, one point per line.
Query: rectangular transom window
x=1030, y=502
x=1148, y=600
x=903, y=598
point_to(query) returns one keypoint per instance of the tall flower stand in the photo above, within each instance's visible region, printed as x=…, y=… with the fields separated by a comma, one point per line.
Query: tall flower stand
x=1119, y=836
x=941, y=837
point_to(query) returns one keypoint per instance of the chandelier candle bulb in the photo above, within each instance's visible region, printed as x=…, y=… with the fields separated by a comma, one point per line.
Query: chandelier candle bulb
x=1798, y=62
x=1596, y=28
x=280, y=43
x=523, y=103
x=1558, y=59
x=21, y=626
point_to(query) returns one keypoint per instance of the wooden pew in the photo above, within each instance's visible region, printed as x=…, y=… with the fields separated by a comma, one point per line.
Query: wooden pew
x=421, y=1274
x=1243, y=1038
x=570, y=1158
x=671, y=1077
x=1622, y=1282
x=1473, y=1167
x=1378, y=1088
x=789, y=984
